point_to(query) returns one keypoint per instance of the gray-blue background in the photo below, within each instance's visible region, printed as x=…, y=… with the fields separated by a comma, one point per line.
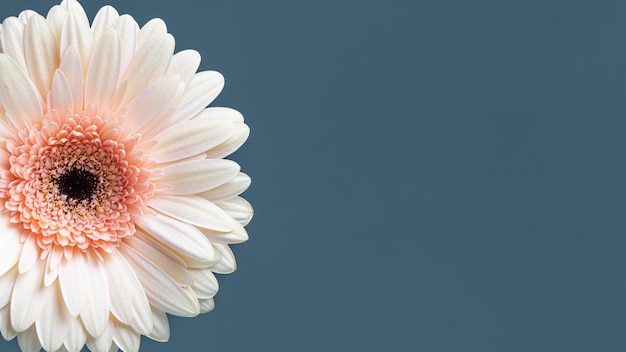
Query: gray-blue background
x=427, y=175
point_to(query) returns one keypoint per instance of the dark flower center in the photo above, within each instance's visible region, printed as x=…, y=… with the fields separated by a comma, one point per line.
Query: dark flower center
x=77, y=184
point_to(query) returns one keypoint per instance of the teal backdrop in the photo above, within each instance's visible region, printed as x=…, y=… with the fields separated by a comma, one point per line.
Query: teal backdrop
x=434, y=176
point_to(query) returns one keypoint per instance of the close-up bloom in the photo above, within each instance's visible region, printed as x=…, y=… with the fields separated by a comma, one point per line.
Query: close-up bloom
x=117, y=205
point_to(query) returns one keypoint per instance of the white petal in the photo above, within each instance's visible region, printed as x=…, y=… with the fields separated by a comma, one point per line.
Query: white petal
x=55, y=19
x=230, y=189
x=76, y=336
x=150, y=101
x=5, y=324
x=30, y=253
x=72, y=280
x=129, y=303
x=29, y=296
x=190, y=138
x=103, y=21
x=73, y=70
x=196, y=176
x=173, y=267
x=183, y=238
x=163, y=291
x=207, y=305
x=11, y=246
x=227, y=264
x=154, y=28
x=52, y=266
x=28, y=340
x=149, y=63
x=242, y=132
x=95, y=314
x=237, y=235
x=161, y=330
x=18, y=94
x=126, y=338
x=53, y=323
x=25, y=15
x=221, y=113
x=42, y=53
x=194, y=210
x=238, y=208
x=202, y=89
x=103, y=341
x=205, y=284
x=103, y=70
x=13, y=41
x=76, y=32
x=7, y=281
x=60, y=98
x=126, y=28
x=184, y=63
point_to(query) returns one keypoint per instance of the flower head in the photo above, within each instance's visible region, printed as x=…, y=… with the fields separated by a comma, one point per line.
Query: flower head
x=116, y=205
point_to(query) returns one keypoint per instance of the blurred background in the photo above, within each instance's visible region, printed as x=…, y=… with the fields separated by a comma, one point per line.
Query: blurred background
x=427, y=175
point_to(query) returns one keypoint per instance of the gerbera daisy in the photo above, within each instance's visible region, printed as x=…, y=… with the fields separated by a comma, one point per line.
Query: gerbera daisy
x=116, y=205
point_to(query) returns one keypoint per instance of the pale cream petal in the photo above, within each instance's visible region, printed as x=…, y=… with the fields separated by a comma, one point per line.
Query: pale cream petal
x=42, y=53
x=152, y=29
x=76, y=7
x=193, y=210
x=76, y=32
x=10, y=244
x=103, y=341
x=222, y=113
x=7, y=281
x=13, y=41
x=202, y=89
x=25, y=15
x=237, y=207
x=129, y=303
x=230, y=189
x=207, y=305
x=29, y=255
x=53, y=323
x=73, y=70
x=196, y=176
x=127, y=29
x=163, y=291
x=187, y=241
x=18, y=94
x=149, y=63
x=161, y=330
x=242, y=132
x=227, y=263
x=126, y=338
x=205, y=284
x=103, y=21
x=28, y=341
x=185, y=64
x=174, y=268
x=6, y=329
x=189, y=138
x=29, y=297
x=60, y=97
x=72, y=281
x=150, y=101
x=52, y=266
x=76, y=336
x=103, y=70
x=95, y=315
x=55, y=19
x=237, y=235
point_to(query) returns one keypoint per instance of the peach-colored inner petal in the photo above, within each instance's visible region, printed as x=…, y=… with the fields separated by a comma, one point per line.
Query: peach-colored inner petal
x=76, y=181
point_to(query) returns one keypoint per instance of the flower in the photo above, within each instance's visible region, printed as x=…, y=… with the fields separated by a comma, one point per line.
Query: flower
x=116, y=205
